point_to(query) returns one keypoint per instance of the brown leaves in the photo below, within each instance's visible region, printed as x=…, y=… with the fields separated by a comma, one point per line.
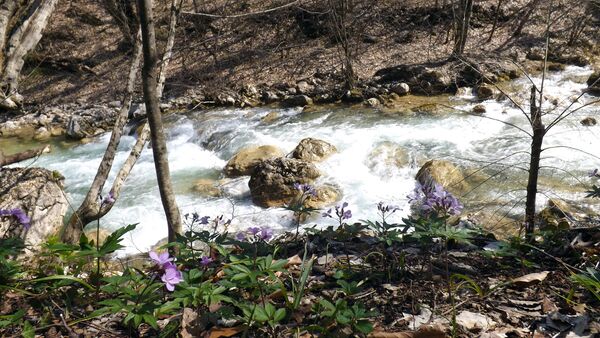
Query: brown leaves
x=531, y=278
x=425, y=331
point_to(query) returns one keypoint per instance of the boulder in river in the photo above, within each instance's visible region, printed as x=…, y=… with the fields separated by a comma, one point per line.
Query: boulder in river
x=39, y=194
x=445, y=173
x=272, y=183
x=313, y=150
x=593, y=83
x=388, y=155
x=297, y=101
x=589, y=121
x=326, y=195
x=207, y=188
x=245, y=160
x=486, y=92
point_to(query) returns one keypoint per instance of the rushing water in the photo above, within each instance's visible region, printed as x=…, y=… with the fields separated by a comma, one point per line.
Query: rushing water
x=201, y=142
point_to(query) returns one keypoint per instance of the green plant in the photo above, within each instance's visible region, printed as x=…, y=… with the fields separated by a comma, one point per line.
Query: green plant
x=340, y=314
x=589, y=280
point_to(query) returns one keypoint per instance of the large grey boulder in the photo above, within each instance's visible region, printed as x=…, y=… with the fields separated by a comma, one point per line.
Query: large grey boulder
x=272, y=183
x=39, y=194
x=245, y=161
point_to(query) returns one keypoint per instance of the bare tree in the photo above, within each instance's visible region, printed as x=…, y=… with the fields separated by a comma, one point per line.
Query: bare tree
x=21, y=27
x=91, y=208
x=340, y=12
x=124, y=14
x=462, y=19
x=157, y=135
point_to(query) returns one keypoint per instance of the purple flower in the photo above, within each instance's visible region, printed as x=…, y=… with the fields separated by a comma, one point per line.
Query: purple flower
x=253, y=230
x=240, y=236
x=109, y=199
x=347, y=214
x=341, y=213
x=305, y=189
x=19, y=214
x=162, y=259
x=171, y=277
x=594, y=173
x=205, y=261
x=433, y=198
x=265, y=233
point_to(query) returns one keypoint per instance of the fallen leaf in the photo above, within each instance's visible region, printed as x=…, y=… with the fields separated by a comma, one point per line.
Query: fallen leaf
x=548, y=306
x=425, y=331
x=294, y=260
x=474, y=321
x=218, y=332
x=531, y=278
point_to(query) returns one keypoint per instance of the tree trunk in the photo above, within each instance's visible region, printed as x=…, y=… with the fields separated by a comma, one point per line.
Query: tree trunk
x=534, y=164
x=22, y=156
x=462, y=18
x=22, y=41
x=157, y=136
x=339, y=12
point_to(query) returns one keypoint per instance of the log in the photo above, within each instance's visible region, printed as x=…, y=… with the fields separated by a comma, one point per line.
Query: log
x=22, y=156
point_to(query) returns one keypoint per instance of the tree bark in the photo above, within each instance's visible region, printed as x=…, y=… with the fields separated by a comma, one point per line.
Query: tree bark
x=534, y=164
x=22, y=156
x=463, y=18
x=23, y=40
x=157, y=136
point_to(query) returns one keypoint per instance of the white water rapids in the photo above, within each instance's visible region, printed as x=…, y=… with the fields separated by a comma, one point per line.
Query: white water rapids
x=201, y=142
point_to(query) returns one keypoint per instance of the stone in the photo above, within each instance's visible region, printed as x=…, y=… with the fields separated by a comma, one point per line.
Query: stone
x=486, y=92
x=463, y=91
x=42, y=134
x=270, y=117
x=302, y=87
x=297, y=101
x=387, y=155
x=326, y=195
x=313, y=150
x=472, y=321
x=373, y=102
x=593, y=83
x=478, y=109
x=207, y=188
x=401, y=88
x=39, y=193
x=269, y=96
x=445, y=173
x=245, y=161
x=272, y=182
x=589, y=121
x=354, y=96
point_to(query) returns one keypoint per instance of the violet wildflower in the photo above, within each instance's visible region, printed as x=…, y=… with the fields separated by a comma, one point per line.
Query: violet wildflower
x=171, y=277
x=19, y=214
x=265, y=234
x=341, y=213
x=161, y=259
x=109, y=199
x=240, y=236
x=305, y=189
x=594, y=173
x=205, y=261
x=253, y=231
x=433, y=198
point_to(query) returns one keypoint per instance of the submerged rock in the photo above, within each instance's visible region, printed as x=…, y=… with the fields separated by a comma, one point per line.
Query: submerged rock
x=593, y=83
x=389, y=155
x=245, y=161
x=39, y=194
x=272, y=183
x=589, y=121
x=297, y=101
x=326, y=195
x=486, y=92
x=207, y=188
x=313, y=150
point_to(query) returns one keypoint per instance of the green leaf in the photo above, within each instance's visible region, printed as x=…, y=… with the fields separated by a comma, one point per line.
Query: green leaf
x=279, y=315
x=150, y=320
x=112, y=242
x=260, y=314
x=61, y=277
x=364, y=326
x=28, y=330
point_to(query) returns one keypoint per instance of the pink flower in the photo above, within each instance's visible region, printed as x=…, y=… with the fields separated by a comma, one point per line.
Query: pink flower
x=171, y=277
x=161, y=259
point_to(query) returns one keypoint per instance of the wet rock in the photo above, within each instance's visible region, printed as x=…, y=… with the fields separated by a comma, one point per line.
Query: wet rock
x=297, y=101
x=400, y=88
x=478, y=109
x=270, y=117
x=463, y=91
x=269, y=96
x=588, y=121
x=420, y=78
x=593, y=83
x=445, y=173
x=271, y=184
x=354, y=96
x=372, y=102
x=486, y=92
x=313, y=150
x=245, y=161
x=42, y=134
x=207, y=188
x=39, y=193
x=326, y=196
x=388, y=155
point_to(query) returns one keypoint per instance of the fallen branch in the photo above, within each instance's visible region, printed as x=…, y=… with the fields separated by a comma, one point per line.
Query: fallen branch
x=22, y=156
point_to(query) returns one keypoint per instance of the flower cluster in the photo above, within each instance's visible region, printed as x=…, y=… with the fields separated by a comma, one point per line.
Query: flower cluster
x=109, y=199
x=171, y=276
x=305, y=189
x=434, y=199
x=255, y=233
x=341, y=213
x=386, y=210
x=19, y=214
x=195, y=218
x=594, y=173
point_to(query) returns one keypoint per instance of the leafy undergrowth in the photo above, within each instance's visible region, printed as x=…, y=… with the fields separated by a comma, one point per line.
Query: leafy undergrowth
x=428, y=276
